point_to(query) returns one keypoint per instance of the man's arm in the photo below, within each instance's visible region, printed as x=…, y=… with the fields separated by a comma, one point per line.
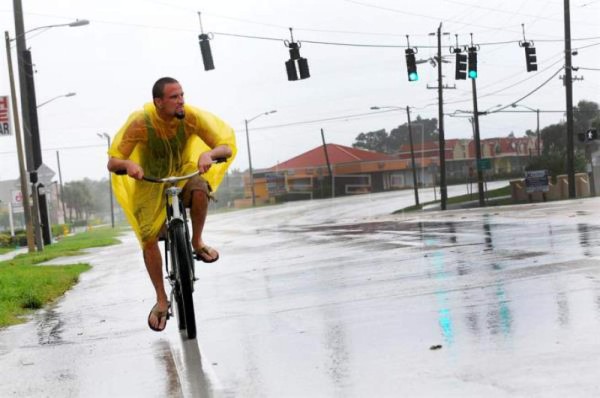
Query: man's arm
x=206, y=158
x=133, y=169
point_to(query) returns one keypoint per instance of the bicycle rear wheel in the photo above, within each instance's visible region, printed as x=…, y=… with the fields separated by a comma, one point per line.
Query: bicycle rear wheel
x=182, y=266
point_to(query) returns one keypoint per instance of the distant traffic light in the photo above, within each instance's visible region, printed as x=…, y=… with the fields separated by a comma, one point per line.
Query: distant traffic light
x=590, y=135
x=530, y=57
x=461, y=66
x=411, y=65
x=473, y=62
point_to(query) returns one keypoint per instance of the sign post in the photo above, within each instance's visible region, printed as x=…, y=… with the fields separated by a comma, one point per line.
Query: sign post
x=536, y=181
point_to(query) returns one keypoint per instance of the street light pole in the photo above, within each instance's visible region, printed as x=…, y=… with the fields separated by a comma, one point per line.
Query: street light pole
x=55, y=98
x=30, y=123
x=537, y=133
x=246, y=121
x=110, y=191
x=22, y=171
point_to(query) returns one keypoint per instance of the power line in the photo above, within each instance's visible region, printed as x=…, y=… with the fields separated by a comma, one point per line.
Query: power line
x=65, y=148
x=393, y=45
x=532, y=91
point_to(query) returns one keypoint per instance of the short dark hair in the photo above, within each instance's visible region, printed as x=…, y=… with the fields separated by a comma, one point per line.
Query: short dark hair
x=158, y=90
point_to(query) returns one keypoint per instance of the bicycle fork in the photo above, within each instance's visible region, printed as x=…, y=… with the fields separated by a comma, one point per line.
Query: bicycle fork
x=173, y=213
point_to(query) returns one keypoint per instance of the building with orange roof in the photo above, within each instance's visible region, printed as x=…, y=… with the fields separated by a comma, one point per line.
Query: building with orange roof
x=352, y=171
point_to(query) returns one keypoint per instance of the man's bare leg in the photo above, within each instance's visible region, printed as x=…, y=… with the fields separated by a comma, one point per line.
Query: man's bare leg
x=198, y=214
x=153, y=261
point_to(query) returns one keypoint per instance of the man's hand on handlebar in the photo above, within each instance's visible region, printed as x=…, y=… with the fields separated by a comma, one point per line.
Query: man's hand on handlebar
x=134, y=170
x=205, y=162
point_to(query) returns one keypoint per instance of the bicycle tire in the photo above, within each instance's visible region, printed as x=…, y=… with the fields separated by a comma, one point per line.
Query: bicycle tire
x=184, y=283
x=175, y=292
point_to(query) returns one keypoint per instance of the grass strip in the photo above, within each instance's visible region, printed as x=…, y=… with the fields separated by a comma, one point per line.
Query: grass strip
x=454, y=200
x=26, y=286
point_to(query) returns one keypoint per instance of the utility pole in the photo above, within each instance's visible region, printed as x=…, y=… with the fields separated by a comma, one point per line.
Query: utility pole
x=25, y=69
x=250, y=165
x=569, y=98
x=412, y=157
x=477, y=145
x=537, y=111
x=62, y=191
x=442, y=142
x=328, y=164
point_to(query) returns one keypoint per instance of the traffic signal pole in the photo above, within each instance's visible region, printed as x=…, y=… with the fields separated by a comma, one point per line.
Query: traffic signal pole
x=477, y=145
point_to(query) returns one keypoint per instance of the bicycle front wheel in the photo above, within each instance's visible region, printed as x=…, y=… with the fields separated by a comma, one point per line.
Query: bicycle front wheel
x=182, y=266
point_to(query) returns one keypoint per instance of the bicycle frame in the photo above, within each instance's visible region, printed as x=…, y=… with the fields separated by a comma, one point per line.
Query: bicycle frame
x=182, y=276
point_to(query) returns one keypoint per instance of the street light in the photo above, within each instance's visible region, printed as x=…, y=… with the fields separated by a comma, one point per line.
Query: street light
x=110, y=192
x=246, y=121
x=22, y=172
x=537, y=133
x=412, y=152
x=55, y=98
x=30, y=121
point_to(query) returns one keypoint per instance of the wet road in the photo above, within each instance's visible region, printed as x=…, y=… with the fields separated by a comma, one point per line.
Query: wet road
x=338, y=298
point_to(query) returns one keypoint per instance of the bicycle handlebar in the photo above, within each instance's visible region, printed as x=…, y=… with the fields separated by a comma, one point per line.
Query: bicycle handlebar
x=173, y=179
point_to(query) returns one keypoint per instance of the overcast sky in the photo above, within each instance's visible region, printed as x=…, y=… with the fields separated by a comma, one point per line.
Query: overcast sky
x=112, y=63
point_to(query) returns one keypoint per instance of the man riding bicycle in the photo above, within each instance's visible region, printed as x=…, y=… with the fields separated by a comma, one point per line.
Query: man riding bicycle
x=168, y=137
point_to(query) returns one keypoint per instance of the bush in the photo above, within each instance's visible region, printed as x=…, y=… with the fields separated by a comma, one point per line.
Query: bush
x=20, y=239
x=5, y=240
x=60, y=229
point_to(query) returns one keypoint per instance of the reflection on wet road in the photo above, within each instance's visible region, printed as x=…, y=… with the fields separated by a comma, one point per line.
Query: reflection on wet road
x=338, y=298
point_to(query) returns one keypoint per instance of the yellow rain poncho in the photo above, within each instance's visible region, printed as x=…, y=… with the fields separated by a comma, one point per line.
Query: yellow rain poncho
x=164, y=149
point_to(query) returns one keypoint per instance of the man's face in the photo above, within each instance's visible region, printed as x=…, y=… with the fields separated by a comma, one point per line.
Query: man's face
x=171, y=103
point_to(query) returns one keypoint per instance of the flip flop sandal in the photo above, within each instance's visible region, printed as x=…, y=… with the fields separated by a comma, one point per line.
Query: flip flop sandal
x=205, y=250
x=160, y=315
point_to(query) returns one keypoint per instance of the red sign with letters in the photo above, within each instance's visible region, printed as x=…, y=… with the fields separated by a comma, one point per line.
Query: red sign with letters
x=4, y=116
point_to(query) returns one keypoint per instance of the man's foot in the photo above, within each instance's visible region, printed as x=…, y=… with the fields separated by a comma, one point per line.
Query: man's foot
x=206, y=254
x=157, y=319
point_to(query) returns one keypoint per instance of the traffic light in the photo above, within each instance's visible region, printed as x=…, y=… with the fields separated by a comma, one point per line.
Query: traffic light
x=411, y=65
x=461, y=66
x=296, y=59
x=473, y=62
x=207, y=58
x=530, y=58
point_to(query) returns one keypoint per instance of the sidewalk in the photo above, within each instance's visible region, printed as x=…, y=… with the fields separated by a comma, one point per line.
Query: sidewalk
x=12, y=254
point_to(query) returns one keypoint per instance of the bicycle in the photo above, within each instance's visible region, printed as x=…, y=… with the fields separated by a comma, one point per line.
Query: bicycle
x=181, y=274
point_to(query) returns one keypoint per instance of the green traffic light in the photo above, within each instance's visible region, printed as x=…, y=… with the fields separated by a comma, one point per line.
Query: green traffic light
x=413, y=76
x=473, y=74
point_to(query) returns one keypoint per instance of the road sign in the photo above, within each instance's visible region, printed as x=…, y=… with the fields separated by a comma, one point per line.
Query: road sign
x=16, y=200
x=536, y=181
x=45, y=174
x=484, y=164
x=4, y=116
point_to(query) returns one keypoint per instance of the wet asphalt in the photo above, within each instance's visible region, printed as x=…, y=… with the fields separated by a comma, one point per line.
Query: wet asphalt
x=338, y=298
